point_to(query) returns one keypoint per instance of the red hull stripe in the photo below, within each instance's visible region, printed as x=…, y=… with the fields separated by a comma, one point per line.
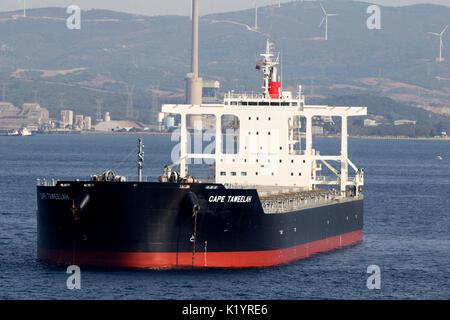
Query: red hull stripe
x=240, y=259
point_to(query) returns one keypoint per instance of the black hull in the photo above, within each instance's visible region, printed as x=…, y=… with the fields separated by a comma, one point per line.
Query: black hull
x=151, y=225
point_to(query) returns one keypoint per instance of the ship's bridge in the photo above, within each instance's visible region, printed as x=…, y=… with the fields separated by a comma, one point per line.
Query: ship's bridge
x=285, y=99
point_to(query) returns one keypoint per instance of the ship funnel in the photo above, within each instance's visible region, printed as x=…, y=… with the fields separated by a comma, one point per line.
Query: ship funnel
x=194, y=84
x=193, y=81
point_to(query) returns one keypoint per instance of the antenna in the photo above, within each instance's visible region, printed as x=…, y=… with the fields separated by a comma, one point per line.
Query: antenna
x=325, y=19
x=154, y=104
x=441, y=43
x=190, y=13
x=99, y=110
x=61, y=100
x=140, y=159
x=4, y=92
x=130, y=109
x=269, y=70
x=256, y=16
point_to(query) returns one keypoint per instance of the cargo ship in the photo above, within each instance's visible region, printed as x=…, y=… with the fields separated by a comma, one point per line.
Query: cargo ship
x=267, y=204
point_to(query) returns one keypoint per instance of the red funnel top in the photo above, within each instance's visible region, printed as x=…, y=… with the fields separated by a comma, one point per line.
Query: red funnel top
x=274, y=89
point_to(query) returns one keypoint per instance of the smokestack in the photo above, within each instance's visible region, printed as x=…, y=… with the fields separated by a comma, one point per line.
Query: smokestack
x=193, y=81
x=194, y=65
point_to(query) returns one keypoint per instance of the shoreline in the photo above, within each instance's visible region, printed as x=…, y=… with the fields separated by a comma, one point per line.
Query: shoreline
x=392, y=138
x=328, y=136
x=148, y=133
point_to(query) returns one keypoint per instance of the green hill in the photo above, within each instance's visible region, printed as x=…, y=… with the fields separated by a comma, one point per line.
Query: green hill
x=152, y=54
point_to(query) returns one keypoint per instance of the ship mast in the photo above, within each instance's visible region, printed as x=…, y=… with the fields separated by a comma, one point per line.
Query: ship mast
x=271, y=84
x=140, y=159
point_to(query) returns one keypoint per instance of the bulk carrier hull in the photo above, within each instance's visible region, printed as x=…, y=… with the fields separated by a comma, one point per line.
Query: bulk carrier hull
x=151, y=225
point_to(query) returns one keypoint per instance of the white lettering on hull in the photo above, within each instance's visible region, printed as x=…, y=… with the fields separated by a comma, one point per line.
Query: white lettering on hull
x=234, y=199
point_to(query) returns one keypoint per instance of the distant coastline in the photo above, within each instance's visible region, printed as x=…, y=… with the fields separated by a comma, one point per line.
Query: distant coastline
x=392, y=137
x=149, y=133
x=327, y=136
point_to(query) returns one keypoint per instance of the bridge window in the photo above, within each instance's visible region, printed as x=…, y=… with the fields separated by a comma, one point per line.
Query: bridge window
x=223, y=173
x=233, y=173
x=243, y=173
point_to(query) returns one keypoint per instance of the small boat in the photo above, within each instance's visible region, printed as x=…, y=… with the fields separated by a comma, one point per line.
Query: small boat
x=439, y=157
x=24, y=132
x=13, y=133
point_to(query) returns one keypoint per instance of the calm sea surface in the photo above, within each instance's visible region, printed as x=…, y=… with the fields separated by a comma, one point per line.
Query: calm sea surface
x=406, y=227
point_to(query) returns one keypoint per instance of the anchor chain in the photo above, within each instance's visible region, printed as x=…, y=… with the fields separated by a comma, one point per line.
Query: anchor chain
x=194, y=214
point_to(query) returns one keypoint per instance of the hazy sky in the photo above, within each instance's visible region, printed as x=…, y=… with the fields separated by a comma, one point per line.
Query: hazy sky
x=179, y=7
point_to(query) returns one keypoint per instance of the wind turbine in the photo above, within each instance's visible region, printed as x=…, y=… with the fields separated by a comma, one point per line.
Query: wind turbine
x=24, y=7
x=325, y=18
x=440, y=59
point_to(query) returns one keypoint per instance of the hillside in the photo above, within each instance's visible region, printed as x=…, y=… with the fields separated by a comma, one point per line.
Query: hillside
x=152, y=54
x=385, y=111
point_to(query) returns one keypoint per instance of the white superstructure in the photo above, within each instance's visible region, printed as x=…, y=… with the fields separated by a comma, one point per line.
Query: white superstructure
x=270, y=151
